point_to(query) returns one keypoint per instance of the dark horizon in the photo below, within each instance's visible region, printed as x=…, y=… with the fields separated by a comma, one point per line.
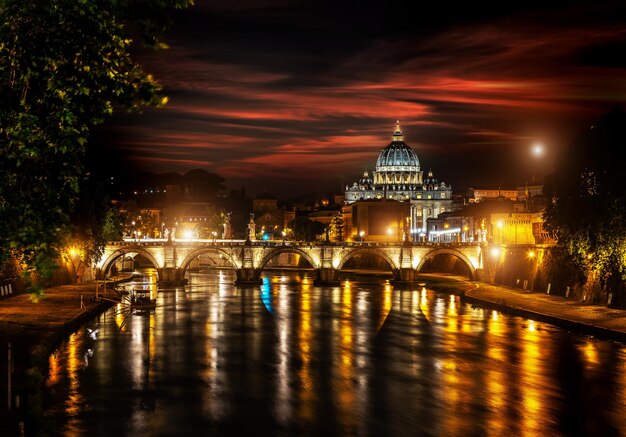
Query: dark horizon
x=291, y=98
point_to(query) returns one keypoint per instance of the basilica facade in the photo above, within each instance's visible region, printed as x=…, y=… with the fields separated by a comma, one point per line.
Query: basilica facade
x=398, y=176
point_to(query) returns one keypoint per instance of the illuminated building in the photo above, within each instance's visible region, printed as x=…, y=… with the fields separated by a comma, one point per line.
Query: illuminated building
x=269, y=218
x=448, y=228
x=518, y=228
x=477, y=195
x=378, y=220
x=398, y=176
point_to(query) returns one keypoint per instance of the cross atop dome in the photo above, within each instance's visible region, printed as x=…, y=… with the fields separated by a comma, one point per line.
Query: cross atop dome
x=397, y=133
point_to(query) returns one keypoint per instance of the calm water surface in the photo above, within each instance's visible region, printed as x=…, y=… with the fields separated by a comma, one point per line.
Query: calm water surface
x=288, y=358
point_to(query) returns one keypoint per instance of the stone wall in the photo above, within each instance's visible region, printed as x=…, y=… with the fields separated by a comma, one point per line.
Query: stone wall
x=538, y=268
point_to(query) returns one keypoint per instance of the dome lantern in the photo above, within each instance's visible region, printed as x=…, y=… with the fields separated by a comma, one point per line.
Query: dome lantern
x=397, y=133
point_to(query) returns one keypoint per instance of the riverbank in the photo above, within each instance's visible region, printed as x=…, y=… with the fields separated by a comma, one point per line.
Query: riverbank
x=34, y=331
x=566, y=313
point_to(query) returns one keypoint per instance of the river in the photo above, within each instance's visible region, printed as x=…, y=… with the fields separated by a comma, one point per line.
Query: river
x=289, y=358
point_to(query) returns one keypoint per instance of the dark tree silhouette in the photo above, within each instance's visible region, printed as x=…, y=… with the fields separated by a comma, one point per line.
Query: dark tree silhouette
x=586, y=209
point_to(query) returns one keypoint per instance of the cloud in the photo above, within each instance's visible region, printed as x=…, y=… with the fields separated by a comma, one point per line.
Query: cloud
x=245, y=102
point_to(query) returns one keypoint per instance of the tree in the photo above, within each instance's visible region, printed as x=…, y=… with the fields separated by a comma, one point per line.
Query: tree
x=338, y=224
x=586, y=211
x=64, y=66
x=306, y=230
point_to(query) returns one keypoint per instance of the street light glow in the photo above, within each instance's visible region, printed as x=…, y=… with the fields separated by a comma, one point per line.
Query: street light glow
x=537, y=150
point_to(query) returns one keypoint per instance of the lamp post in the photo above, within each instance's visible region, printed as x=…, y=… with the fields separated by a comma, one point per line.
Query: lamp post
x=389, y=232
x=134, y=233
x=362, y=235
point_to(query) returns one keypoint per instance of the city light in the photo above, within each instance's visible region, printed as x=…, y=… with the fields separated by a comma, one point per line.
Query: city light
x=531, y=254
x=537, y=150
x=445, y=232
x=495, y=252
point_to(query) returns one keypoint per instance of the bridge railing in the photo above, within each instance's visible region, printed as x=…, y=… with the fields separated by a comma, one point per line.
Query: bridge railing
x=146, y=242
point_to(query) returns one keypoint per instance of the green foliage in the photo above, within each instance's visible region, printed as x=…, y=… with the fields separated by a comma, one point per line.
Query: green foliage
x=337, y=225
x=64, y=66
x=587, y=211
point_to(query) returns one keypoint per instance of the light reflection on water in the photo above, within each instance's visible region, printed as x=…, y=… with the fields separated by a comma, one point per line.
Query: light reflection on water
x=358, y=359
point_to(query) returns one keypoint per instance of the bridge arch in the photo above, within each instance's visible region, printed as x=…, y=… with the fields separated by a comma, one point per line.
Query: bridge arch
x=372, y=251
x=286, y=249
x=121, y=252
x=454, y=252
x=193, y=255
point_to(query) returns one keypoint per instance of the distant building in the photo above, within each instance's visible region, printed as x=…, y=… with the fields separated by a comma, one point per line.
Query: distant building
x=476, y=195
x=449, y=228
x=269, y=218
x=398, y=176
x=532, y=197
x=377, y=220
x=518, y=228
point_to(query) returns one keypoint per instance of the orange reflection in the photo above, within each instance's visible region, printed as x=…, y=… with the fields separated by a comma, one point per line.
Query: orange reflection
x=455, y=384
x=590, y=352
x=452, y=315
x=387, y=303
x=151, y=346
x=74, y=399
x=346, y=392
x=533, y=377
x=307, y=411
x=55, y=370
x=424, y=303
x=496, y=381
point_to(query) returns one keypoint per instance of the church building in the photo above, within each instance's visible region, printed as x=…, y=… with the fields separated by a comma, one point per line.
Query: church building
x=398, y=176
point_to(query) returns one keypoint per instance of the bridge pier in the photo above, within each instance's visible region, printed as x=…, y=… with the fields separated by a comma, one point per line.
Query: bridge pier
x=171, y=276
x=479, y=275
x=248, y=276
x=405, y=275
x=327, y=276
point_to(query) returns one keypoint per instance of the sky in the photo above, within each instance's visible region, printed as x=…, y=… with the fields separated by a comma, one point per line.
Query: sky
x=290, y=96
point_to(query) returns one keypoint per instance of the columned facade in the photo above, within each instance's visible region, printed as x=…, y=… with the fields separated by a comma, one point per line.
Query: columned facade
x=398, y=176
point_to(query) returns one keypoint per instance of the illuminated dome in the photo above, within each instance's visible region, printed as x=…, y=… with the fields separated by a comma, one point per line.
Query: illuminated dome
x=397, y=167
x=397, y=156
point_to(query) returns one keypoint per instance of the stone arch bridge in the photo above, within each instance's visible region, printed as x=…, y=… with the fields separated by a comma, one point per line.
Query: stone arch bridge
x=173, y=258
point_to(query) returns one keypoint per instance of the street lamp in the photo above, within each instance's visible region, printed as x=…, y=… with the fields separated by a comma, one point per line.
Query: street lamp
x=389, y=232
x=362, y=235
